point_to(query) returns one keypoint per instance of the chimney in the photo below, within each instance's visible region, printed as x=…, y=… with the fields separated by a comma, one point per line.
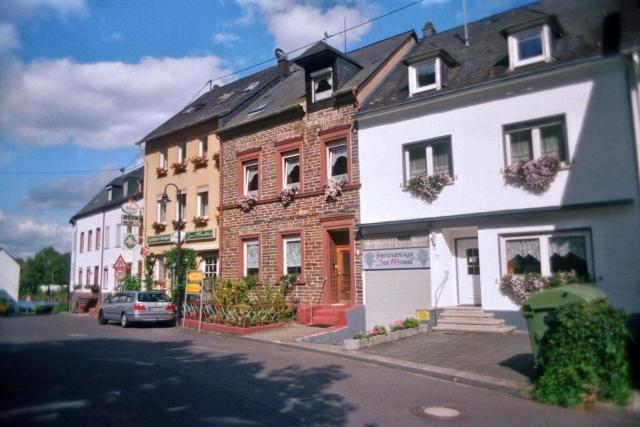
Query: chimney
x=283, y=63
x=428, y=30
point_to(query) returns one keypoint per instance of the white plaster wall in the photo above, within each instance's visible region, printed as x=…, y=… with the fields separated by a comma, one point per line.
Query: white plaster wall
x=591, y=98
x=9, y=275
x=614, y=235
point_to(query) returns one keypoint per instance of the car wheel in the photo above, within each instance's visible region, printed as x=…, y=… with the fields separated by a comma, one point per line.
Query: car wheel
x=101, y=319
x=124, y=320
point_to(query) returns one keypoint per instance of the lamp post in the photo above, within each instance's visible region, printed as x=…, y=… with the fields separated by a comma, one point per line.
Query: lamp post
x=164, y=200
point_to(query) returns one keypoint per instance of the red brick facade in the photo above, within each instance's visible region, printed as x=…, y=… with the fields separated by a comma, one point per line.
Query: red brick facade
x=309, y=216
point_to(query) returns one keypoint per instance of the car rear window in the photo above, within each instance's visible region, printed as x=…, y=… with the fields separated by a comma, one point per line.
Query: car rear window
x=152, y=297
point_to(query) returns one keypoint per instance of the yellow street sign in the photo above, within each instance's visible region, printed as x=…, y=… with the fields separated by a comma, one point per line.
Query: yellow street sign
x=423, y=315
x=193, y=288
x=194, y=276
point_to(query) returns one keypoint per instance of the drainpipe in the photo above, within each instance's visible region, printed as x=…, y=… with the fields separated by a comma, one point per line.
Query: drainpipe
x=100, y=281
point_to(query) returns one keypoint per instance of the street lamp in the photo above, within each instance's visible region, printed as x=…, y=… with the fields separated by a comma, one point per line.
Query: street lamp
x=164, y=200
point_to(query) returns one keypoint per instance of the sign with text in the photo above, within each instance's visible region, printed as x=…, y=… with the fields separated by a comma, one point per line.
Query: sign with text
x=199, y=235
x=193, y=288
x=194, y=282
x=396, y=259
x=158, y=240
x=130, y=219
x=423, y=315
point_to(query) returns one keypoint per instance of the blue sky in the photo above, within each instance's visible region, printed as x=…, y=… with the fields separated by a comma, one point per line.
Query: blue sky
x=81, y=82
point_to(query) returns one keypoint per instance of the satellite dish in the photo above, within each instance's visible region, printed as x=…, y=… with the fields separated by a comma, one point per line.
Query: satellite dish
x=281, y=55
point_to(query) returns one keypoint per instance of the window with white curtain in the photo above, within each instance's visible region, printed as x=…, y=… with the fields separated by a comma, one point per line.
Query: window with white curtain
x=182, y=152
x=202, y=202
x=291, y=169
x=431, y=157
x=338, y=159
x=203, y=146
x=291, y=255
x=548, y=253
x=536, y=139
x=251, y=253
x=251, y=178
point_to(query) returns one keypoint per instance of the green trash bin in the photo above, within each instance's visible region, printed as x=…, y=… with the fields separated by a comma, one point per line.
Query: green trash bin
x=536, y=308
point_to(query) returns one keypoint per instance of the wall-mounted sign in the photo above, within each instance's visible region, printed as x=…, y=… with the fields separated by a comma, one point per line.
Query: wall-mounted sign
x=184, y=237
x=130, y=207
x=423, y=315
x=200, y=235
x=396, y=259
x=130, y=241
x=120, y=264
x=128, y=219
x=159, y=240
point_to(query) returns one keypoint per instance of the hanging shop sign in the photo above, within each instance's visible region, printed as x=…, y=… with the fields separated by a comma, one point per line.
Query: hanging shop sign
x=396, y=259
x=159, y=240
x=130, y=207
x=130, y=241
x=128, y=219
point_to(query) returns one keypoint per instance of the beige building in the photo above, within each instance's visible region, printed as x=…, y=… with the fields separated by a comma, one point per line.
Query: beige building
x=184, y=153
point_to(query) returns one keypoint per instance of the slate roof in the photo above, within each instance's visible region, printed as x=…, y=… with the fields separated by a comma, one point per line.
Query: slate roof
x=290, y=92
x=100, y=201
x=580, y=36
x=220, y=101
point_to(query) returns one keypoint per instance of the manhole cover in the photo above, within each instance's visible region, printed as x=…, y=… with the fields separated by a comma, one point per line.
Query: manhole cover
x=439, y=412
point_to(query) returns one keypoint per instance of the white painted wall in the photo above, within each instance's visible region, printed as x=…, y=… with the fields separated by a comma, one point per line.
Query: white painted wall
x=92, y=258
x=592, y=98
x=9, y=275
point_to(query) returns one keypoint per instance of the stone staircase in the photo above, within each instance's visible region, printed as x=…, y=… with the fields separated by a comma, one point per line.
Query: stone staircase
x=470, y=319
x=324, y=314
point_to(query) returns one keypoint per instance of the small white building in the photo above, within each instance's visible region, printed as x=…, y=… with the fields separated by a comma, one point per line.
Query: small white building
x=100, y=238
x=551, y=79
x=9, y=277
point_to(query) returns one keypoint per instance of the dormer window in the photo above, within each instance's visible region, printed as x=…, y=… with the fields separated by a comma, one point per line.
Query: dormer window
x=109, y=194
x=425, y=76
x=321, y=84
x=125, y=189
x=530, y=47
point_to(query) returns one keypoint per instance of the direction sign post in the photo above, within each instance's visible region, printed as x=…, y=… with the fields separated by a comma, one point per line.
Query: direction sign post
x=194, y=286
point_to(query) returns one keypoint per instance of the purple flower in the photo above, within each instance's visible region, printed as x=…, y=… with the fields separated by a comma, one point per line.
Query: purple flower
x=428, y=187
x=247, y=202
x=333, y=189
x=286, y=195
x=535, y=175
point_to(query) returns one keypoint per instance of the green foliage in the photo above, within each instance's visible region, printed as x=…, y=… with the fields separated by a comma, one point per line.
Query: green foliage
x=232, y=291
x=187, y=262
x=377, y=330
x=411, y=322
x=359, y=336
x=47, y=266
x=149, y=264
x=130, y=283
x=563, y=279
x=287, y=282
x=584, y=357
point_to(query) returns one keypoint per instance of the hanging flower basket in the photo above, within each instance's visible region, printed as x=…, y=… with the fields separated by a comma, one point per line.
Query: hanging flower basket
x=286, y=195
x=161, y=172
x=246, y=203
x=199, y=162
x=179, y=225
x=200, y=221
x=179, y=167
x=333, y=189
x=534, y=176
x=427, y=187
x=159, y=227
x=216, y=159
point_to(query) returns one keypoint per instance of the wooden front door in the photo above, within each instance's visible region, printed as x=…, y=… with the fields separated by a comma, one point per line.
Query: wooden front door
x=343, y=274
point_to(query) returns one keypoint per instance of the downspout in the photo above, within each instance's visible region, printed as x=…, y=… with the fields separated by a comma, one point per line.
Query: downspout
x=100, y=279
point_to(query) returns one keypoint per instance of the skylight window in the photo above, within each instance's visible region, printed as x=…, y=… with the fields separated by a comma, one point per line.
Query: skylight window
x=530, y=47
x=426, y=75
x=251, y=86
x=225, y=96
x=258, y=107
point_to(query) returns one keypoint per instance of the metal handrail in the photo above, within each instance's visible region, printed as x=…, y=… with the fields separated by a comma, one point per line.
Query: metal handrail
x=439, y=290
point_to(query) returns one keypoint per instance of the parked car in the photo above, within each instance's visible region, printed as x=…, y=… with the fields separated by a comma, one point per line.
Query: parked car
x=4, y=306
x=137, y=307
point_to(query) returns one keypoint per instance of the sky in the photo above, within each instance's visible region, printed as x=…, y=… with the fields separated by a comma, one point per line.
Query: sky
x=82, y=81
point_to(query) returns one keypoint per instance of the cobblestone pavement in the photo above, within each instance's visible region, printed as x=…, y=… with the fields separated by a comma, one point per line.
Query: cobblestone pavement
x=288, y=333
x=504, y=356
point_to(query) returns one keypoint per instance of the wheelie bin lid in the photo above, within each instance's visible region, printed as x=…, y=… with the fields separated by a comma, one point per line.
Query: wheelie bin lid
x=562, y=295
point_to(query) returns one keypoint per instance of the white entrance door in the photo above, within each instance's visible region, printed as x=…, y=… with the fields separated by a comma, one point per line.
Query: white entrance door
x=468, y=271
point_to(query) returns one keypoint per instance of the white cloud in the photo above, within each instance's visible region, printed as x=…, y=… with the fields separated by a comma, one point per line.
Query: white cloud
x=294, y=23
x=25, y=9
x=23, y=235
x=226, y=39
x=9, y=38
x=97, y=105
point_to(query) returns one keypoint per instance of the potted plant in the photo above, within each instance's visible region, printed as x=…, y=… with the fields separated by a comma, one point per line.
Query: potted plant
x=179, y=167
x=161, y=172
x=333, y=189
x=286, y=195
x=427, y=187
x=535, y=176
x=178, y=225
x=247, y=202
x=216, y=159
x=200, y=221
x=159, y=227
x=199, y=161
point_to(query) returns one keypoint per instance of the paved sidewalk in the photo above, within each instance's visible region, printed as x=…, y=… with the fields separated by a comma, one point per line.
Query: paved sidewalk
x=288, y=333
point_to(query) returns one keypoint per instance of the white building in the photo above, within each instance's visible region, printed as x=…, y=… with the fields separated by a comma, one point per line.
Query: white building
x=9, y=277
x=99, y=236
x=554, y=78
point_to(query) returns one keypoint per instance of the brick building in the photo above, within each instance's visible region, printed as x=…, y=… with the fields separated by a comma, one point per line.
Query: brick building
x=300, y=135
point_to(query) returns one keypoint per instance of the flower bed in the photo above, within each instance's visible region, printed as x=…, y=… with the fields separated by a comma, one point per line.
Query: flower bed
x=535, y=175
x=379, y=334
x=427, y=187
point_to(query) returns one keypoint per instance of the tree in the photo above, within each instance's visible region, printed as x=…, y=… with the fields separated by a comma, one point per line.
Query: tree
x=48, y=266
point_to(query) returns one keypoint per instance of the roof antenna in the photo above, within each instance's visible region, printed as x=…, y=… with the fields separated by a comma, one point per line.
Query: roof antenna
x=344, y=20
x=326, y=36
x=466, y=31
x=210, y=85
x=121, y=170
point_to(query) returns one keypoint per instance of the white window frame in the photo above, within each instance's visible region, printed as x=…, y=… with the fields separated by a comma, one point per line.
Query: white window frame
x=314, y=76
x=125, y=189
x=285, y=240
x=536, y=140
x=163, y=161
x=210, y=268
x=428, y=146
x=514, y=54
x=543, y=237
x=161, y=212
x=245, y=243
x=245, y=170
x=203, y=145
x=109, y=194
x=107, y=232
x=89, y=240
x=413, y=77
x=118, y=235
x=330, y=146
x=285, y=157
x=182, y=152
x=184, y=211
x=199, y=209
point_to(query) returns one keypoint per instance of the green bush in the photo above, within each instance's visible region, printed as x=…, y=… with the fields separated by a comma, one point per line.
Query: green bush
x=287, y=282
x=584, y=357
x=130, y=283
x=233, y=291
x=411, y=322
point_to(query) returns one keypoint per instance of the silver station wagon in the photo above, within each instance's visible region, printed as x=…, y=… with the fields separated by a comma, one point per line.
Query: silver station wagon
x=137, y=307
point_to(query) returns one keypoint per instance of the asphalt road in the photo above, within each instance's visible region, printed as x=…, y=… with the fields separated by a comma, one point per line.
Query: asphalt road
x=67, y=370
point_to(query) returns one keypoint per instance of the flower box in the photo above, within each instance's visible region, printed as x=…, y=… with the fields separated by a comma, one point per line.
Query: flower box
x=287, y=195
x=199, y=162
x=179, y=167
x=161, y=172
x=159, y=227
x=357, y=344
x=216, y=159
x=200, y=221
x=333, y=189
x=179, y=225
x=535, y=176
x=246, y=203
x=427, y=187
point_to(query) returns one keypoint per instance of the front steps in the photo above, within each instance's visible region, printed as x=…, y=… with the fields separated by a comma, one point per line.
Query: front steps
x=470, y=319
x=324, y=314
